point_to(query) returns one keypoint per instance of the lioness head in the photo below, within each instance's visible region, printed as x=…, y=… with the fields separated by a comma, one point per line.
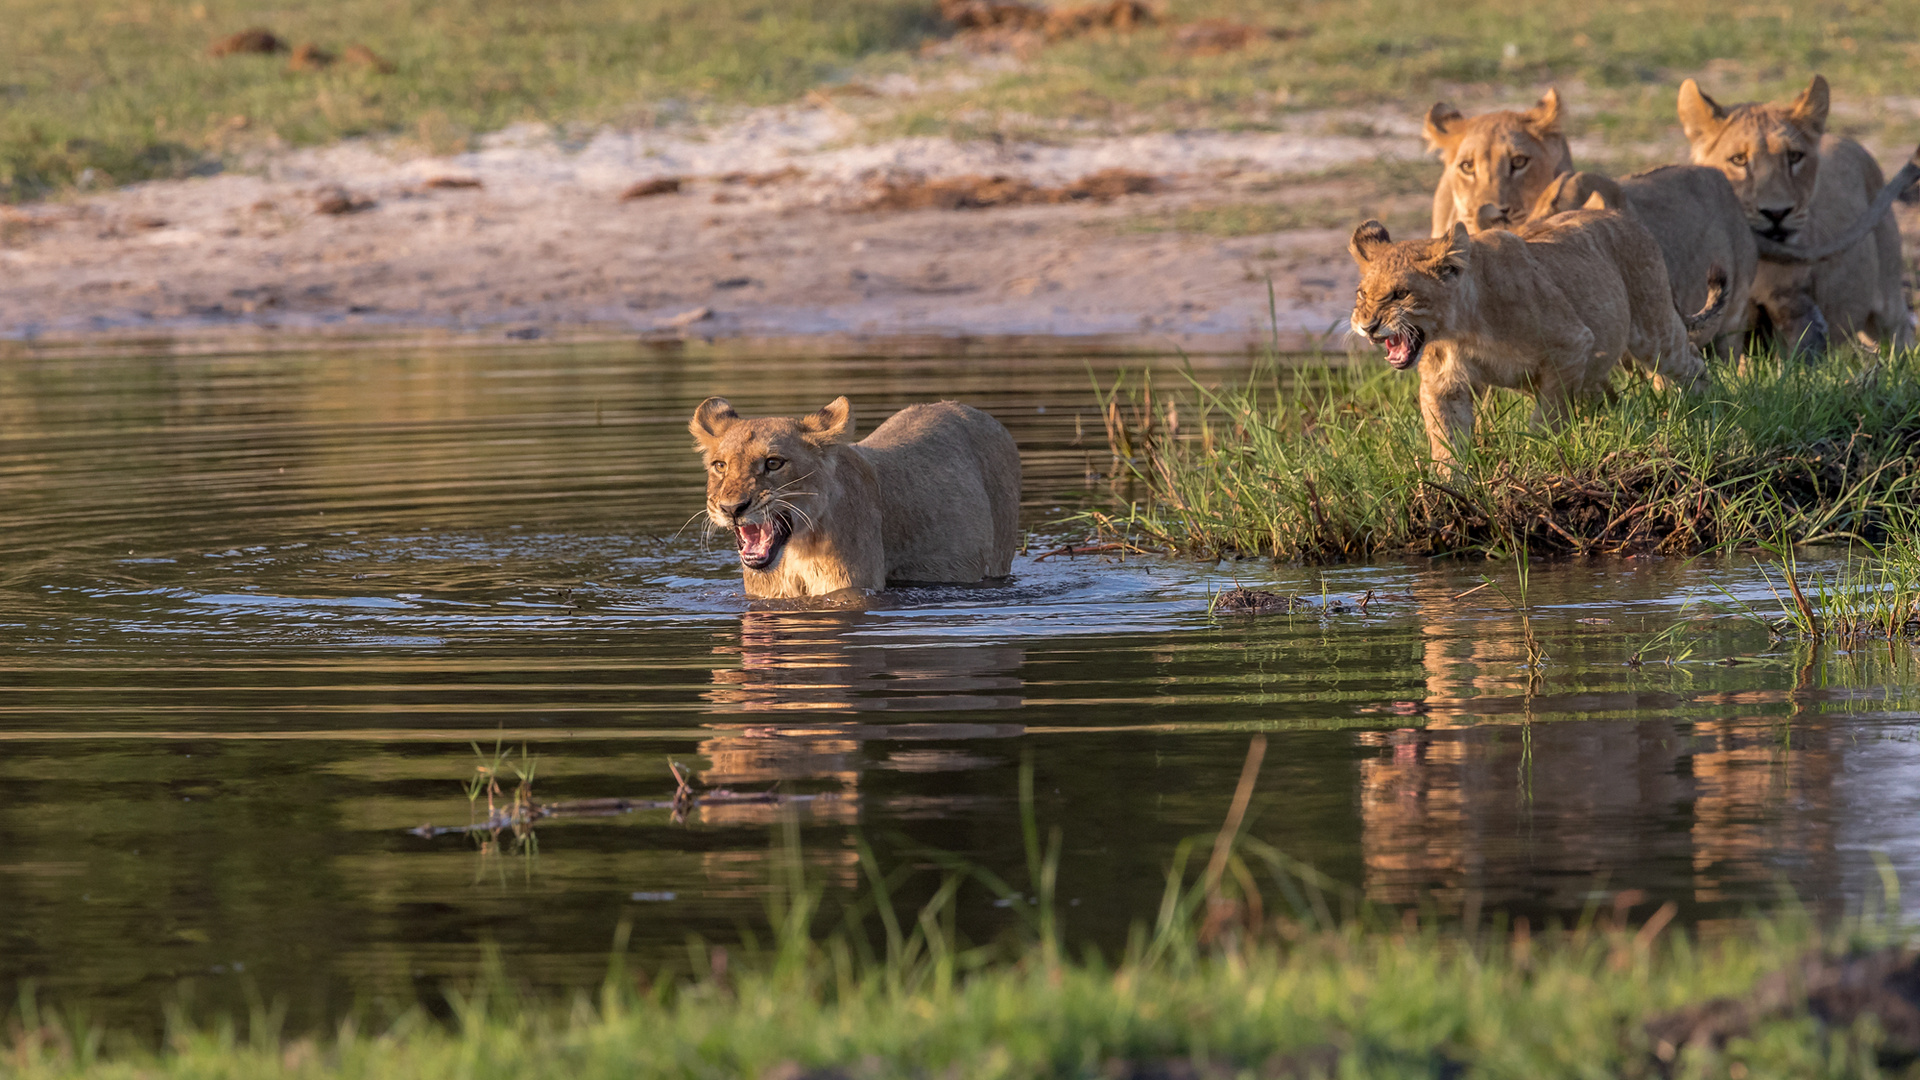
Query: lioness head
x=1406, y=289
x=1498, y=159
x=1771, y=152
x=768, y=479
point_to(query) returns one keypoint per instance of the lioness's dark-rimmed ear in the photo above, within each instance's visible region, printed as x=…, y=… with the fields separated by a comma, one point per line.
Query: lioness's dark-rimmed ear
x=711, y=419
x=1809, y=110
x=1701, y=117
x=1544, y=118
x=1367, y=240
x=1440, y=129
x=831, y=424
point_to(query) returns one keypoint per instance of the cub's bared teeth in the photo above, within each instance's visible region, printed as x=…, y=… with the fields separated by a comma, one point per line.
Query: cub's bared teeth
x=755, y=539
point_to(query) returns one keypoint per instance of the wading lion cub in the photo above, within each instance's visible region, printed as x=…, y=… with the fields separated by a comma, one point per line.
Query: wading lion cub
x=933, y=495
x=1550, y=312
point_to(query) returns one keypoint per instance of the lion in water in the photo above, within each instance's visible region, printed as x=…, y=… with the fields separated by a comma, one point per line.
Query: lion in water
x=933, y=495
x=1550, y=311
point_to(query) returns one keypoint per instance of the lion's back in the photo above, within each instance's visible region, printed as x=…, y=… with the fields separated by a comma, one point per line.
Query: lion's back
x=949, y=483
x=1695, y=216
x=1613, y=270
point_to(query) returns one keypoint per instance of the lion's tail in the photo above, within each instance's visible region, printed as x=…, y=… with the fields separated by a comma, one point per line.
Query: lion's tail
x=1716, y=302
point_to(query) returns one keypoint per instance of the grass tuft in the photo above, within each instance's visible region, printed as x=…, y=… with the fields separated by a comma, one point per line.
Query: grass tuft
x=1331, y=462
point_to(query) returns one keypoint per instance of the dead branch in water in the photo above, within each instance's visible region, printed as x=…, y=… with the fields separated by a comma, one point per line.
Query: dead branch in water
x=1101, y=548
x=520, y=814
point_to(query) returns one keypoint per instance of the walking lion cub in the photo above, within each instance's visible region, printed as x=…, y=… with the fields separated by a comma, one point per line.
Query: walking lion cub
x=1549, y=311
x=933, y=495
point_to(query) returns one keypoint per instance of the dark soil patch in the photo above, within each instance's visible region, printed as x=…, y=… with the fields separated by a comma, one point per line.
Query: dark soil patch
x=1839, y=992
x=975, y=192
x=255, y=41
x=662, y=185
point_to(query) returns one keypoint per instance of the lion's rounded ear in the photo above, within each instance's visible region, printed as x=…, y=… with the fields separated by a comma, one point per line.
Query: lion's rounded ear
x=1441, y=131
x=1701, y=117
x=711, y=419
x=1544, y=118
x=1810, y=108
x=831, y=424
x=1367, y=240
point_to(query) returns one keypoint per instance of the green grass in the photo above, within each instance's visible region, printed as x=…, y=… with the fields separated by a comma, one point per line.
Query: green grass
x=125, y=88
x=1334, y=464
x=1244, y=971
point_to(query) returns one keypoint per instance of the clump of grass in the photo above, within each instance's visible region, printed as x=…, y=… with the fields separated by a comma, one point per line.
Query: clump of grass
x=1871, y=595
x=1246, y=968
x=1331, y=462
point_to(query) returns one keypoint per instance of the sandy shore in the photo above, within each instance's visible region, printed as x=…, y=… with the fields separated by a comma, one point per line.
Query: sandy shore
x=769, y=235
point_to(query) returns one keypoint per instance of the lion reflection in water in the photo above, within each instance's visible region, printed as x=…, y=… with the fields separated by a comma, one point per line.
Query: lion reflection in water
x=1479, y=802
x=793, y=663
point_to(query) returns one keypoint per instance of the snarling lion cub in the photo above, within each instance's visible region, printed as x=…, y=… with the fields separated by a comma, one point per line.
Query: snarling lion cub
x=1801, y=185
x=933, y=495
x=1551, y=312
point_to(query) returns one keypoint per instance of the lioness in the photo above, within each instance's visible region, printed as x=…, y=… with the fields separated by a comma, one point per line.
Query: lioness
x=1500, y=159
x=1550, y=312
x=1800, y=185
x=933, y=495
x=1697, y=220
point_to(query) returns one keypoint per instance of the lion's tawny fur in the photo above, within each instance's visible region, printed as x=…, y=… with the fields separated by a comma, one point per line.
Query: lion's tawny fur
x=1550, y=313
x=1498, y=159
x=1800, y=184
x=1698, y=222
x=932, y=495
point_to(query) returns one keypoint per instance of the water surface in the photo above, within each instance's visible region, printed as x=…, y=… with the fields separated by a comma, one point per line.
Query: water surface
x=254, y=609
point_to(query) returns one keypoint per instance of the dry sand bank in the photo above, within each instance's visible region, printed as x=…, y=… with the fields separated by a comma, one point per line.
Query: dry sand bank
x=767, y=236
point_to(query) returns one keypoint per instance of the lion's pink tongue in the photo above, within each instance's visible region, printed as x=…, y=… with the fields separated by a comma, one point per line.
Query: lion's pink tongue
x=756, y=541
x=1399, y=348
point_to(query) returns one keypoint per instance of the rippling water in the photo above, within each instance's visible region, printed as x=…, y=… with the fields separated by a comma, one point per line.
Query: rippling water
x=255, y=608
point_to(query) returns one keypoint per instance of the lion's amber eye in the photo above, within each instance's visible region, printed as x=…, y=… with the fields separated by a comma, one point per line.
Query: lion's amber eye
x=1467, y=167
x=1794, y=156
x=718, y=466
x=1519, y=162
x=774, y=463
x=1396, y=296
x=1739, y=159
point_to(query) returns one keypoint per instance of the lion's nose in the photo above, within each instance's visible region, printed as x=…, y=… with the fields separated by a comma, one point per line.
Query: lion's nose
x=737, y=509
x=1776, y=217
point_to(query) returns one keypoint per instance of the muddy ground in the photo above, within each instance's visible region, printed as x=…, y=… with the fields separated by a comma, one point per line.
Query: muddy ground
x=779, y=224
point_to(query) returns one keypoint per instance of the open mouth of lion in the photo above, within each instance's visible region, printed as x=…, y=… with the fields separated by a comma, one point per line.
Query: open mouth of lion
x=1404, y=348
x=761, y=542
